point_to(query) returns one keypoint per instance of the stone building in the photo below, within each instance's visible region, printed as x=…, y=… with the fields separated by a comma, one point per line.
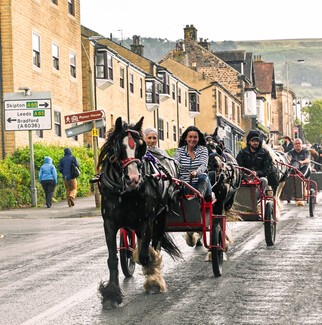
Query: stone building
x=139, y=87
x=41, y=50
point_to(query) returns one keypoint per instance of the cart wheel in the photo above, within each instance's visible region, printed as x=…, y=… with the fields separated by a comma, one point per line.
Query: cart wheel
x=269, y=224
x=126, y=256
x=312, y=202
x=216, y=252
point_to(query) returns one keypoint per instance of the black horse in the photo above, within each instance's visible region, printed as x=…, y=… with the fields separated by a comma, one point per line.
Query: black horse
x=225, y=178
x=133, y=198
x=280, y=171
x=224, y=175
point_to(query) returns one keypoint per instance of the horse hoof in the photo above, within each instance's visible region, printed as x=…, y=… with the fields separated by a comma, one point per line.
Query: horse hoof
x=188, y=238
x=208, y=257
x=199, y=243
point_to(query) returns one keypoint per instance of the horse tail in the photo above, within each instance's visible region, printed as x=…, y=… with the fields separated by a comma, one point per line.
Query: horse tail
x=170, y=247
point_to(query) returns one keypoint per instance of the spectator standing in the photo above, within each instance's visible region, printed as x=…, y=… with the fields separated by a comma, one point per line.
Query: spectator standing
x=65, y=166
x=48, y=179
x=288, y=144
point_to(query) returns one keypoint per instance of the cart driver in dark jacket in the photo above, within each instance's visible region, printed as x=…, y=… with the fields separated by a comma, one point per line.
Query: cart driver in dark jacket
x=256, y=158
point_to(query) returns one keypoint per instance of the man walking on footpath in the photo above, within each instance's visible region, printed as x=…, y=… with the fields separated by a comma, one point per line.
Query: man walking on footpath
x=65, y=167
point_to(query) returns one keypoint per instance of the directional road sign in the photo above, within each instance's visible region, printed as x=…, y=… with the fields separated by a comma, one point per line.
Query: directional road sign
x=84, y=117
x=83, y=128
x=27, y=112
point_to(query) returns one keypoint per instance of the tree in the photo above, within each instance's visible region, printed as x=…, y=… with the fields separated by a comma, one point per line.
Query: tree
x=313, y=122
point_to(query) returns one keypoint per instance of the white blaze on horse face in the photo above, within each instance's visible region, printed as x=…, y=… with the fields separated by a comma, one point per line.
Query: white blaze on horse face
x=132, y=169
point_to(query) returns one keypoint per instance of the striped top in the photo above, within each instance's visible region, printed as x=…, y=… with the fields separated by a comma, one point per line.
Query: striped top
x=188, y=165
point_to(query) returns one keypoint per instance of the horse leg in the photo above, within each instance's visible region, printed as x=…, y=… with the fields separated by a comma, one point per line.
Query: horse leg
x=154, y=282
x=111, y=291
x=193, y=238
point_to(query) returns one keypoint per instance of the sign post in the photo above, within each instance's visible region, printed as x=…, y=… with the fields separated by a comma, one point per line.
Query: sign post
x=26, y=111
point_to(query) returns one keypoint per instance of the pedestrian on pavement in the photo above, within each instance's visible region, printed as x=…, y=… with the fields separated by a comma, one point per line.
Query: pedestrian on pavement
x=65, y=167
x=48, y=179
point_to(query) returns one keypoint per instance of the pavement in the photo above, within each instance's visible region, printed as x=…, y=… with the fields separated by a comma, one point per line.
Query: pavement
x=84, y=207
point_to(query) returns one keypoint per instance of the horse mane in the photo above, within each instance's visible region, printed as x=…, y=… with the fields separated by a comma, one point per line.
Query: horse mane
x=271, y=151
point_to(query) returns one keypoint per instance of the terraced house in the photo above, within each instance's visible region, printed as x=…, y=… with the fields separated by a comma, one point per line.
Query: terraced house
x=41, y=50
x=44, y=48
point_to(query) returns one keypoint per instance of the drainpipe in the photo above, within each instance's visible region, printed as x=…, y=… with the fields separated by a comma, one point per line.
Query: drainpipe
x=1, y=100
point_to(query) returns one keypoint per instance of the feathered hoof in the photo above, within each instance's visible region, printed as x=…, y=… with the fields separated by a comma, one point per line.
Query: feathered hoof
x=111, y=295
x=208, y=257
x=300, y=203
x=188, y=238
x=155, y=284
x=192, y=239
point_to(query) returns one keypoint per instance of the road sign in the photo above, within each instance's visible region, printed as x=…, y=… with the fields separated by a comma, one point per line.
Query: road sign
x=82, y=128
x=27, y=112
x=84, y=117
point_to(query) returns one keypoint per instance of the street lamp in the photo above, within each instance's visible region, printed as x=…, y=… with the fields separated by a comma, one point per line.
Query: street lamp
x=93, y=106
x=302, y=102
x=287, y=85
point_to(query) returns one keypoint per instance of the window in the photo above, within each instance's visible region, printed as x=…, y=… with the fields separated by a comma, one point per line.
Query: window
x=161, y=129
x=173, y=91
x=167, y=130
x=226, y=105
x=233, y=112
x=179, y=95
x=164, y=87
x=174, y=133
x=141, y=87
x=185, y=99
x=131, y=83
x=104, y=65
x=122, y=77
x=40, y=133
x=152, y=94
x=71, y=7
x=102, y=132
x=55, y=56
x=219, y=102
x=36, y=50
x=57, y=123
x=72, y=64
x=194, y=102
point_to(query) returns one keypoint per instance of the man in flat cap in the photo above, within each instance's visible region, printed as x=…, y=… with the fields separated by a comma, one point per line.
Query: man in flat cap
x=256, y=158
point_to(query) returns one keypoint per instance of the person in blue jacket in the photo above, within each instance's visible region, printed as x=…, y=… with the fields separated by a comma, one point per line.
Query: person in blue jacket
x=48, y=179
x=64, y=167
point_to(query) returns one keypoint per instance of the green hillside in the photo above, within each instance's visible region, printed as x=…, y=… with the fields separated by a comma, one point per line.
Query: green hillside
x=305, y=78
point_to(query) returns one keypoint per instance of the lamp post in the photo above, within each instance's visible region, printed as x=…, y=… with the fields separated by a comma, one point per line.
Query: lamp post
x=302, y=102
x=287, y=85
x=93, y=106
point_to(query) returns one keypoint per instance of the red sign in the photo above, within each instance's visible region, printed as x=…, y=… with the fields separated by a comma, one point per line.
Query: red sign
x=84, y=117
